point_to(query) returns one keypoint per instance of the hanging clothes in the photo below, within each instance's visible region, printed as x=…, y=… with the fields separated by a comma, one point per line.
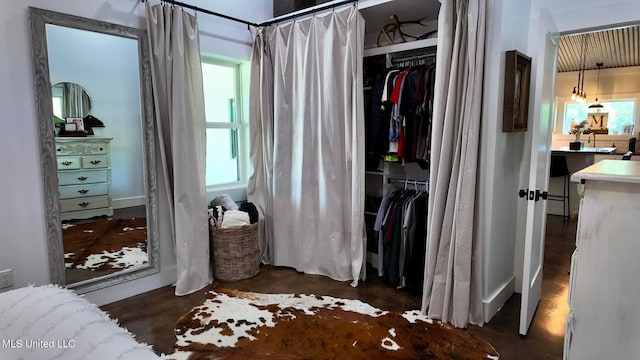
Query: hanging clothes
x=425, y=114
x=400, y=115
x=402, y=234
x=377, y=122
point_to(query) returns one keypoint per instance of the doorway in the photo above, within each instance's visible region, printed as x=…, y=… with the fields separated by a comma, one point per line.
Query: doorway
x=614, y=85
x=609, y=39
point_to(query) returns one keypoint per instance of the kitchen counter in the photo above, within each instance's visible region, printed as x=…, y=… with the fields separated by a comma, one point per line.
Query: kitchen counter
x=610, y=170
x=561, y=150
x=587, y=154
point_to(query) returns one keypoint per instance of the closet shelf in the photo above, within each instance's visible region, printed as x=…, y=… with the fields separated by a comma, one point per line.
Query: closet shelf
x=373, y=172
x=411, y=45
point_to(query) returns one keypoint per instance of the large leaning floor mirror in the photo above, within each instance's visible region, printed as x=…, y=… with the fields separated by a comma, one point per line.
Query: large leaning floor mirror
x=93, y=95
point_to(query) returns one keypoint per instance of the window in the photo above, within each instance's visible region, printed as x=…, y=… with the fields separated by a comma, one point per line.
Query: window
x=227, y=155
x=621, y=112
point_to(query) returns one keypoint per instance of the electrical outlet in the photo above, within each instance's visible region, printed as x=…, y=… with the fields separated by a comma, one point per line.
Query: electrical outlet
x=6, y=278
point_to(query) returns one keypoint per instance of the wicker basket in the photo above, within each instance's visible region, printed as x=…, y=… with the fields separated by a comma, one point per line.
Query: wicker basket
x=236, y=254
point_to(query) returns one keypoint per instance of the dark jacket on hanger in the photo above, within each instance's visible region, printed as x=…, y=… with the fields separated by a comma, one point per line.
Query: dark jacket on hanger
x=377, y=129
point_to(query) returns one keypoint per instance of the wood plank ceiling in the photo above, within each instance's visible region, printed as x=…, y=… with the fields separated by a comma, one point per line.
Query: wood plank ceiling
x=614, y=48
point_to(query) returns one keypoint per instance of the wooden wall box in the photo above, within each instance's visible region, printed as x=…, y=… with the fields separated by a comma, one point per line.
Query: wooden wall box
x=517, y=80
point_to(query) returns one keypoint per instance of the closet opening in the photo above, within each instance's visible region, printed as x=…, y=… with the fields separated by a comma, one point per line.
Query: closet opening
x=398, y=91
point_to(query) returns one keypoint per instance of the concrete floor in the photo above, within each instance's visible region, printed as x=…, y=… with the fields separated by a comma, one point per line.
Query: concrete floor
x=151, y=316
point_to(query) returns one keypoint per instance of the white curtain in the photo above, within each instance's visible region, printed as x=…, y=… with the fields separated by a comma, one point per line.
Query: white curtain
x=307, y=144
x=453, y=269
x=179, y=112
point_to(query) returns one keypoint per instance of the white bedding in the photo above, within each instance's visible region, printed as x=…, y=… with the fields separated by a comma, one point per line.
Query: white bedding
x=49, y=322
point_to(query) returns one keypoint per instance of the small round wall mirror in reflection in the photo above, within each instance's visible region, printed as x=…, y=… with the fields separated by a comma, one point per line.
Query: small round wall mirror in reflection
x=70, y=100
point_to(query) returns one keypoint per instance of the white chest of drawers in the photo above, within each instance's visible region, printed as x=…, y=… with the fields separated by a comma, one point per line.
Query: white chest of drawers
x=604, y=290
x=84, y=175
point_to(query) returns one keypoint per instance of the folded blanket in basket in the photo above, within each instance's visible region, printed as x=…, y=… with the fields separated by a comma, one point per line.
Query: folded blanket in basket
x=235, y=218
x=225, y=201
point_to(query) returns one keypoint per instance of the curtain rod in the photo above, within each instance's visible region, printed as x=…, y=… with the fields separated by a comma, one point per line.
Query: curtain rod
x=266, y=23
x=199, y=9
x=307, y=12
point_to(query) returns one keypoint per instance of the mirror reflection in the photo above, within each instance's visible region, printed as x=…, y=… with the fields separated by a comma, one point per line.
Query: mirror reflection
x=101, y=179
x=70, y=100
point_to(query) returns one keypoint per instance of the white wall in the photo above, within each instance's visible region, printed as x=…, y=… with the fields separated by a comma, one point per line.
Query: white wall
x=23, y=246
x=612, y=81
x=572, y=15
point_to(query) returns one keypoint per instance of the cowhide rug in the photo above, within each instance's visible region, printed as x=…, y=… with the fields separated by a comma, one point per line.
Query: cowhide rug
x=105, y=244
x=232, y=324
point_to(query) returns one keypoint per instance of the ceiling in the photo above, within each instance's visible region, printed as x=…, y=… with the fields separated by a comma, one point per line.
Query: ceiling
x=614, y=48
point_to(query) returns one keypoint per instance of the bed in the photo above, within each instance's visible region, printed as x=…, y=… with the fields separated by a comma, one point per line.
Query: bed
x=49, y=322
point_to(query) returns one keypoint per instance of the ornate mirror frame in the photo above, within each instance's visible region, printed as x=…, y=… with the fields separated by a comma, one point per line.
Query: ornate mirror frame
x=38, y=20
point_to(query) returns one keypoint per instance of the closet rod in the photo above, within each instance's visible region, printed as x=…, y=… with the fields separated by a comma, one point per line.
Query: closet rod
x=266, y=23
x=414, y=57
x=407, y=181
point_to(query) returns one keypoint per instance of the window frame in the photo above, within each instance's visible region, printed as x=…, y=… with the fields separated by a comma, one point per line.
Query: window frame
x=241, y=125
x=563, y=101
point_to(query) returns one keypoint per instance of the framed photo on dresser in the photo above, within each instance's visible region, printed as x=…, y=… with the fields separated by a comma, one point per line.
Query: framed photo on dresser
x=79, y=122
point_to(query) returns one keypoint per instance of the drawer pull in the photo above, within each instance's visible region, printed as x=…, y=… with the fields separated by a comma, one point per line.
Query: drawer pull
x=67, y=163
x=83, y=204
x=95, y=162
x=82, y=178
x=83, y=191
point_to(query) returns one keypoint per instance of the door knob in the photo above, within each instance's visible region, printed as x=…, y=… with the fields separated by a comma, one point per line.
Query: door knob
x=541, y=195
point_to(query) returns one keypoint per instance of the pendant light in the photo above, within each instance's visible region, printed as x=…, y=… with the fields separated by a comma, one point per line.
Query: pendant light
x=597, y=105
x=578, y=93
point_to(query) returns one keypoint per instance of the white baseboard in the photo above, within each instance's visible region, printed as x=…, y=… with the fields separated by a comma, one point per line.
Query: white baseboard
x=494, y=303
x=128, y=202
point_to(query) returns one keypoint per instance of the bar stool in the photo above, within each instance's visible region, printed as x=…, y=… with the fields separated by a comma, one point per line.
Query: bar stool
x=559, y=168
